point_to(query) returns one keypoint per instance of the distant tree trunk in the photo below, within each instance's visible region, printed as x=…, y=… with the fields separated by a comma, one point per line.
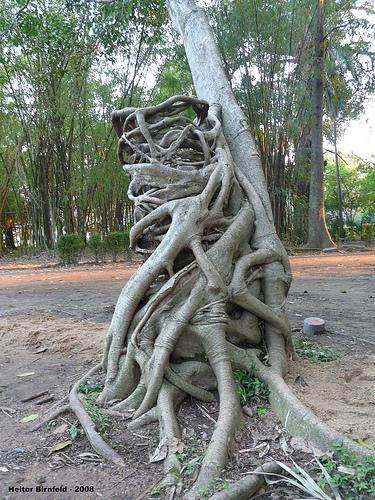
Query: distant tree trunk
x=9, y=236
x=338, y=180
x=318, y=232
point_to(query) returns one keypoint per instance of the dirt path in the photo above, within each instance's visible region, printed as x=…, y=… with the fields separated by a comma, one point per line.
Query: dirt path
x=52, y=324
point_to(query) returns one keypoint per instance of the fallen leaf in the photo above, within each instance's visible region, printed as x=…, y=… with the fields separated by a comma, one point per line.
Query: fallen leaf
x=38, y=351
x=60, y=429
x=4, y=469
x=176, y=445
x=88, y=455
x=27, y=374
x=248, y=411
x=265, y=451
x=29, y=418
x=319, y=453
x=161, y=451
x=284, y=445
x=62, y=445
x=346, y=470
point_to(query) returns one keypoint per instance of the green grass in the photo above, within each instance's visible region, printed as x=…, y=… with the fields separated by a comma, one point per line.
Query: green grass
x=190, y=459
x=315, y=352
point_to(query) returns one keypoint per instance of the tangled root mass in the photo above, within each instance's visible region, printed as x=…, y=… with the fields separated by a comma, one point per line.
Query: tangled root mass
x=209, y=295
x=200, y=292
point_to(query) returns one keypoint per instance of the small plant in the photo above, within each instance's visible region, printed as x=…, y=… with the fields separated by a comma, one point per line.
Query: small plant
x=51, y=423
x=101, y=421
x=250, y=388
x=315, y=352
x=73, y=431
x=96, y=246
x=300, y=479
x=70, y=247
x=356, y=481
x=90, y=388
x=261, y=410
x=116, y=243
x=190, y=460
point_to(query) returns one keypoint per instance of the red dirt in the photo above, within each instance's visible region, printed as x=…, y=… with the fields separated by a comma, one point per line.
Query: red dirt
x=67, y=311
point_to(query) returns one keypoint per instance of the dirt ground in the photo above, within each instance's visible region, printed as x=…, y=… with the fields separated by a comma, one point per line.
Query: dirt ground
x=52, y=324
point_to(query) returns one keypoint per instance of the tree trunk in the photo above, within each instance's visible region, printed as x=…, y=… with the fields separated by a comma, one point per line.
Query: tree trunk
x=338, y=180
x=318, y=232
x=211, y=84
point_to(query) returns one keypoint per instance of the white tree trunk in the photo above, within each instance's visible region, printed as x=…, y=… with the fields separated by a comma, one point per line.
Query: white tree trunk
x=211, y=84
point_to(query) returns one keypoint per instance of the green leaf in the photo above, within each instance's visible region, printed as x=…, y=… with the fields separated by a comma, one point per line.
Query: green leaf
x=29, y=418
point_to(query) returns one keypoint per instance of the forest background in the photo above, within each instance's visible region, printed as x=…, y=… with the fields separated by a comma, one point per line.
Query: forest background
x=66, y=64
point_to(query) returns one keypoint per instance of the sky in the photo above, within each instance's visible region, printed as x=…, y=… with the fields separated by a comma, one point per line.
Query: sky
x=359, y=136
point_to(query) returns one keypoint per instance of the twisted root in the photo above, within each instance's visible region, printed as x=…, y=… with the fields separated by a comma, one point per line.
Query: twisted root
x=211, y=278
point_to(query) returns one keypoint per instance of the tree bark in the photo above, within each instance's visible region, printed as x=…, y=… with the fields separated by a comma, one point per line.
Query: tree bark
x=319, y=236
x=338, y=180
x=211, y=84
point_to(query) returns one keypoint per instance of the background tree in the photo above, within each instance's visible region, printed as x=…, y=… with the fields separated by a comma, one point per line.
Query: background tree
x=53, y=82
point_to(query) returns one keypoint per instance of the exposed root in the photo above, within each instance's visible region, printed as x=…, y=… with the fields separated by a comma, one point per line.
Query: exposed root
x=95, y=439
x=246, y=487
x=295, y=416
x=50, y=415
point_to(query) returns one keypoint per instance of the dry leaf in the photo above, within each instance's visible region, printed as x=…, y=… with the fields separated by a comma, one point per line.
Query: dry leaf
x=27, y=374
x=60, y=429
x=346, y=470
x=176, y=445
x=88, y=455
x=299, y=444
x=284, y=445
x=38, y=351
x=161, y=451
x=62, y=445
x=4, y=469
x=265, y=451
x=29, y=418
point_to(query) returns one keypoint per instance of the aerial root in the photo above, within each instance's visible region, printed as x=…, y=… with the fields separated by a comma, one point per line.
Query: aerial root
x=217, y=453
x=95, y=439
x=246, y=487
x=213, y=257
x=145, y=419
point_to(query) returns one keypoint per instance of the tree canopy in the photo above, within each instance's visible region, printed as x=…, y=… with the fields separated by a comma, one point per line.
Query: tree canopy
x=65, y=64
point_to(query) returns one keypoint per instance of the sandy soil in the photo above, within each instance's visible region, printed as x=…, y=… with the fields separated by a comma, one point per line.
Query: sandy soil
x=52, y=324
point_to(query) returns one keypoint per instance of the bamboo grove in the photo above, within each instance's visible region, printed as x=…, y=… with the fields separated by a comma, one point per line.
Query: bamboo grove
x=65, y=65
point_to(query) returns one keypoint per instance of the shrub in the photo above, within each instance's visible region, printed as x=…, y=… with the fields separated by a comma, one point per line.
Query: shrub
x=69, y=248
x=116, y=243
x=368, y=231
x=96, y=246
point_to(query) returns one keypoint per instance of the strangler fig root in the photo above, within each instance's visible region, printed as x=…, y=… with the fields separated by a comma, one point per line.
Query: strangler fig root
x=209, y=296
